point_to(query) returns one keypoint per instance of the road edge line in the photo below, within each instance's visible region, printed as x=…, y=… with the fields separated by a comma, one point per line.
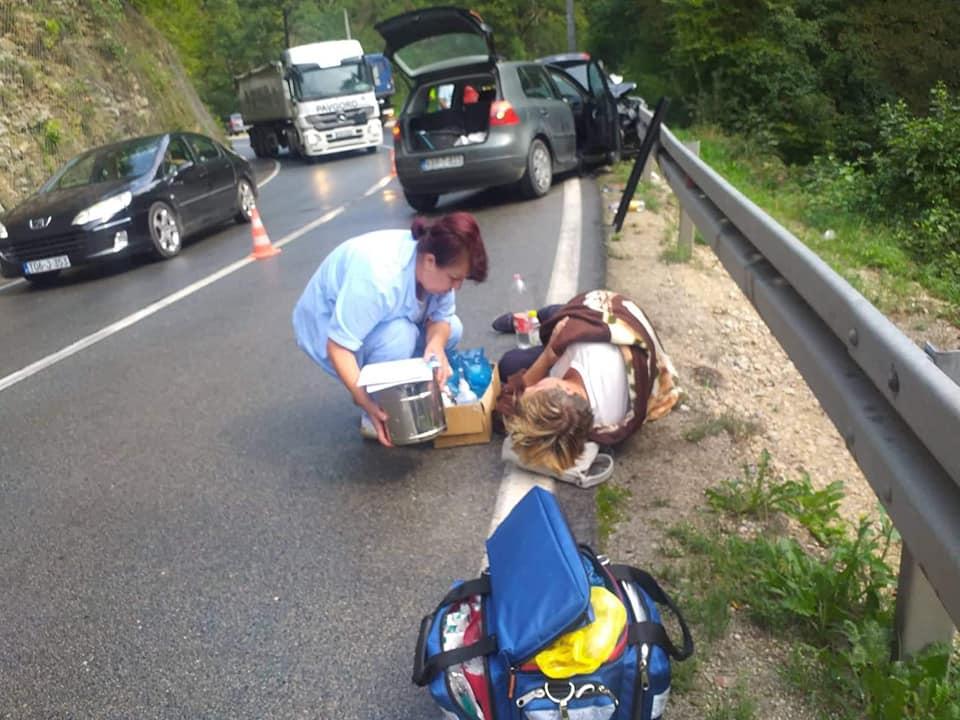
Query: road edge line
x=563, y=285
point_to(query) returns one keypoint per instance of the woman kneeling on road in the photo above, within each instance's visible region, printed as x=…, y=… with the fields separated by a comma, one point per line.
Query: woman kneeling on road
x=389, y=295
x=600, y=374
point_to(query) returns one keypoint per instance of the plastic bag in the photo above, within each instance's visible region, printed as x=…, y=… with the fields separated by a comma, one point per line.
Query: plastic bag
x=586, y=649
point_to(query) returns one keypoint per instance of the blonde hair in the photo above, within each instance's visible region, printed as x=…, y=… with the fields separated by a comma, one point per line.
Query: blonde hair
x=549, y=428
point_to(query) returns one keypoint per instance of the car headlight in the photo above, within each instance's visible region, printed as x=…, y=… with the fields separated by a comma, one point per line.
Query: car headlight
x=3, y=232
x=104, y=210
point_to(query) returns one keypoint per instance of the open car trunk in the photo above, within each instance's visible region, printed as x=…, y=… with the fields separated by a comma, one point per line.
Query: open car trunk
x=449, y=113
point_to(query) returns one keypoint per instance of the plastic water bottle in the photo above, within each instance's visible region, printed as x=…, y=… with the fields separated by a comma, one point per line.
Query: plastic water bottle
x=523, y=308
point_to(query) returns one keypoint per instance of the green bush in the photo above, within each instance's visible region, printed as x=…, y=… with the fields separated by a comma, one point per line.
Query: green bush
x=834, y=602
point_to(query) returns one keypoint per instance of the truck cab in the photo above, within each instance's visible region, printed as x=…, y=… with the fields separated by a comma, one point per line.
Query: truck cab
x=319, y=99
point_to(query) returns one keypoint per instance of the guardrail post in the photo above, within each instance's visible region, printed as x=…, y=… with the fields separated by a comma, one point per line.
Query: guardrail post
x=920, y=618
x=685, y=234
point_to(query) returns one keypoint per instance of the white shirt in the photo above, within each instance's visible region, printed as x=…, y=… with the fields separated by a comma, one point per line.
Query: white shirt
x=601, y=366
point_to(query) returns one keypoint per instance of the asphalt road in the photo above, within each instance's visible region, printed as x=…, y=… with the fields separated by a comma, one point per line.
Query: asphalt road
x=190, y=525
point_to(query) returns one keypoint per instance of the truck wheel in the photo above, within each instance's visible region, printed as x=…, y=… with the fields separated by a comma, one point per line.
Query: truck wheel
x=538, y=176
x=271, y=145
x=421, y=203
x=255, y=142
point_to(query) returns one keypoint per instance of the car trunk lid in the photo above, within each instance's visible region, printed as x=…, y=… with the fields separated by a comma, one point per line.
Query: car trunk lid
x=423, y=42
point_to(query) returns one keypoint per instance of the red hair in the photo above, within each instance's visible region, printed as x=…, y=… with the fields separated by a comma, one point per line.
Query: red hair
x=450, y=238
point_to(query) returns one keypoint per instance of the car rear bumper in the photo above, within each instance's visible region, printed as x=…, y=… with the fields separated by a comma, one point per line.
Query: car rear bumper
x=113, y=239
x=498, y=161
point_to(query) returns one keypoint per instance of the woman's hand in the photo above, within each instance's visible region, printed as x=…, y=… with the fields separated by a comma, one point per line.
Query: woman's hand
x=443, y=371
x=556, y=344
x=377, y=414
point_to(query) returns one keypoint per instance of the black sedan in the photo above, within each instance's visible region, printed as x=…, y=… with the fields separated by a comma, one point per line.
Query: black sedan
x=140, y=195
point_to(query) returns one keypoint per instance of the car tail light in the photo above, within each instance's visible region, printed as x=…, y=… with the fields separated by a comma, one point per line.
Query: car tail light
x=396, y=131
x=502, y=113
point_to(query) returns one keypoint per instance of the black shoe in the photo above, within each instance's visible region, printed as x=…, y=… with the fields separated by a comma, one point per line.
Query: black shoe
x=504, y=323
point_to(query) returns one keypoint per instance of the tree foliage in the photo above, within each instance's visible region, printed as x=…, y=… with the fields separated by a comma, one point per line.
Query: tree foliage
x=805, y=76
x=220, y=39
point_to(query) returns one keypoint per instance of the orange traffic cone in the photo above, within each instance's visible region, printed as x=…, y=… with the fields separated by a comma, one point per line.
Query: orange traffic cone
x=262, y=247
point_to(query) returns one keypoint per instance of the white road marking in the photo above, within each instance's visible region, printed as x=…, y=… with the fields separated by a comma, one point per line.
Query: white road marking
x=112, y=329
x=380, y=184
x=563, y=285
x=566, y=263
x=272, y=175
x=12, y=283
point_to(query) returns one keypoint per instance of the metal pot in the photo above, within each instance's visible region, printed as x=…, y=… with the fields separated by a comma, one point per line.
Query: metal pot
x=414, y=410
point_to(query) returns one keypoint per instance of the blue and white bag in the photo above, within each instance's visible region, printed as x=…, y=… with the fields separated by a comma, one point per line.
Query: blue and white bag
x=537, y=588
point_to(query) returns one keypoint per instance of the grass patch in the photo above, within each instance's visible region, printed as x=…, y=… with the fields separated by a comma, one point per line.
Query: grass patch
x=855, y=243
x=737, y=705
x=736, y=427
x=611, y=500
x=833, y=600
x=676, y=253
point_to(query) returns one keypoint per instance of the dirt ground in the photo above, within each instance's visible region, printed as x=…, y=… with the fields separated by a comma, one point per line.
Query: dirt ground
x=729, y=364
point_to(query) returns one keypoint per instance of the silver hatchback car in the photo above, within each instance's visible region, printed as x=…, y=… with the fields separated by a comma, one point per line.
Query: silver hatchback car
x=473, y=121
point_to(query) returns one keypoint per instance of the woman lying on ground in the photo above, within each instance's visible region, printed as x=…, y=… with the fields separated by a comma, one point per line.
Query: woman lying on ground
x=599, y=375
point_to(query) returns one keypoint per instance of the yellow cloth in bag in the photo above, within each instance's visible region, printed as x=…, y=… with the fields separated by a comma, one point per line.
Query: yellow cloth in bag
x=586, y=649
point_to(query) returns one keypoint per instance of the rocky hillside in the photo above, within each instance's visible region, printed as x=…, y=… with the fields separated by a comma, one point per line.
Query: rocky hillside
x=75, y=74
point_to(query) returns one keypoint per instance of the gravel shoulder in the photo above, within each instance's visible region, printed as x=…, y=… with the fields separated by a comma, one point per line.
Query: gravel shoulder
x=730, y=367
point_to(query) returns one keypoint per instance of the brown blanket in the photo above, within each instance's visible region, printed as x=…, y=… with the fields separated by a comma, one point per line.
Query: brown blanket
x=605, y=316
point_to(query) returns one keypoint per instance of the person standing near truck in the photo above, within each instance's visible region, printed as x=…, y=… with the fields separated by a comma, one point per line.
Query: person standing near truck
x=389, y=295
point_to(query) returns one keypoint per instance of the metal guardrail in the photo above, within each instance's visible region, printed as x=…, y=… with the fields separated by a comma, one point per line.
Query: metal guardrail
x=897, y=411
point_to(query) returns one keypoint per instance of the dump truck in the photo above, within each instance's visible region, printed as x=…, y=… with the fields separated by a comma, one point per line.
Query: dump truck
x=316, y=100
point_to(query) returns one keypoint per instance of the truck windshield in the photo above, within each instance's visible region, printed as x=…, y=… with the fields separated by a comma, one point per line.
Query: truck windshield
x=316, y=83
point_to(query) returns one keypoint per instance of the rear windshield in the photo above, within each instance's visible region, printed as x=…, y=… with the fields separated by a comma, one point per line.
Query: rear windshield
x=441, y=50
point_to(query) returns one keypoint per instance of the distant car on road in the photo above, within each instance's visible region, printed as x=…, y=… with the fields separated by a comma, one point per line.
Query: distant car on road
x=235, y=124
x=144, y=194
x=473, y=121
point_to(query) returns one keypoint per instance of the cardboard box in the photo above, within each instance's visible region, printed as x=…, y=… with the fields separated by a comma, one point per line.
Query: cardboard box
x=471, y=424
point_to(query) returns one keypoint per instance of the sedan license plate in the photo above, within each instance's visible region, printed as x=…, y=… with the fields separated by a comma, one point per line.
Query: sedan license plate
x=34, y=267
x=442, y=163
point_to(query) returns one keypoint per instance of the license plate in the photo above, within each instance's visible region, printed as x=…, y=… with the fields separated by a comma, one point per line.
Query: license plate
x=442, y=163
x=59, y=262
x=345, y=132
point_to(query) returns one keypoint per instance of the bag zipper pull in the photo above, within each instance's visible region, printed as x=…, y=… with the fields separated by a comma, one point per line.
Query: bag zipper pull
x=534, y=694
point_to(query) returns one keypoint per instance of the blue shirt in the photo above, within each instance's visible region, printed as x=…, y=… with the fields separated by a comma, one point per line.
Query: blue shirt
x=366, y=280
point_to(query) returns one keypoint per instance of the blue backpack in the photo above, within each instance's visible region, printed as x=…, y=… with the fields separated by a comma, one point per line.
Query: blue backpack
x=476, y=650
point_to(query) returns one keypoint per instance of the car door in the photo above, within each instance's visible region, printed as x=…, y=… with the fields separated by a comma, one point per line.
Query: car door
x=577, y=99
x=550, y=112
x=188, y=182
x=221, y=183
x=603, y=125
